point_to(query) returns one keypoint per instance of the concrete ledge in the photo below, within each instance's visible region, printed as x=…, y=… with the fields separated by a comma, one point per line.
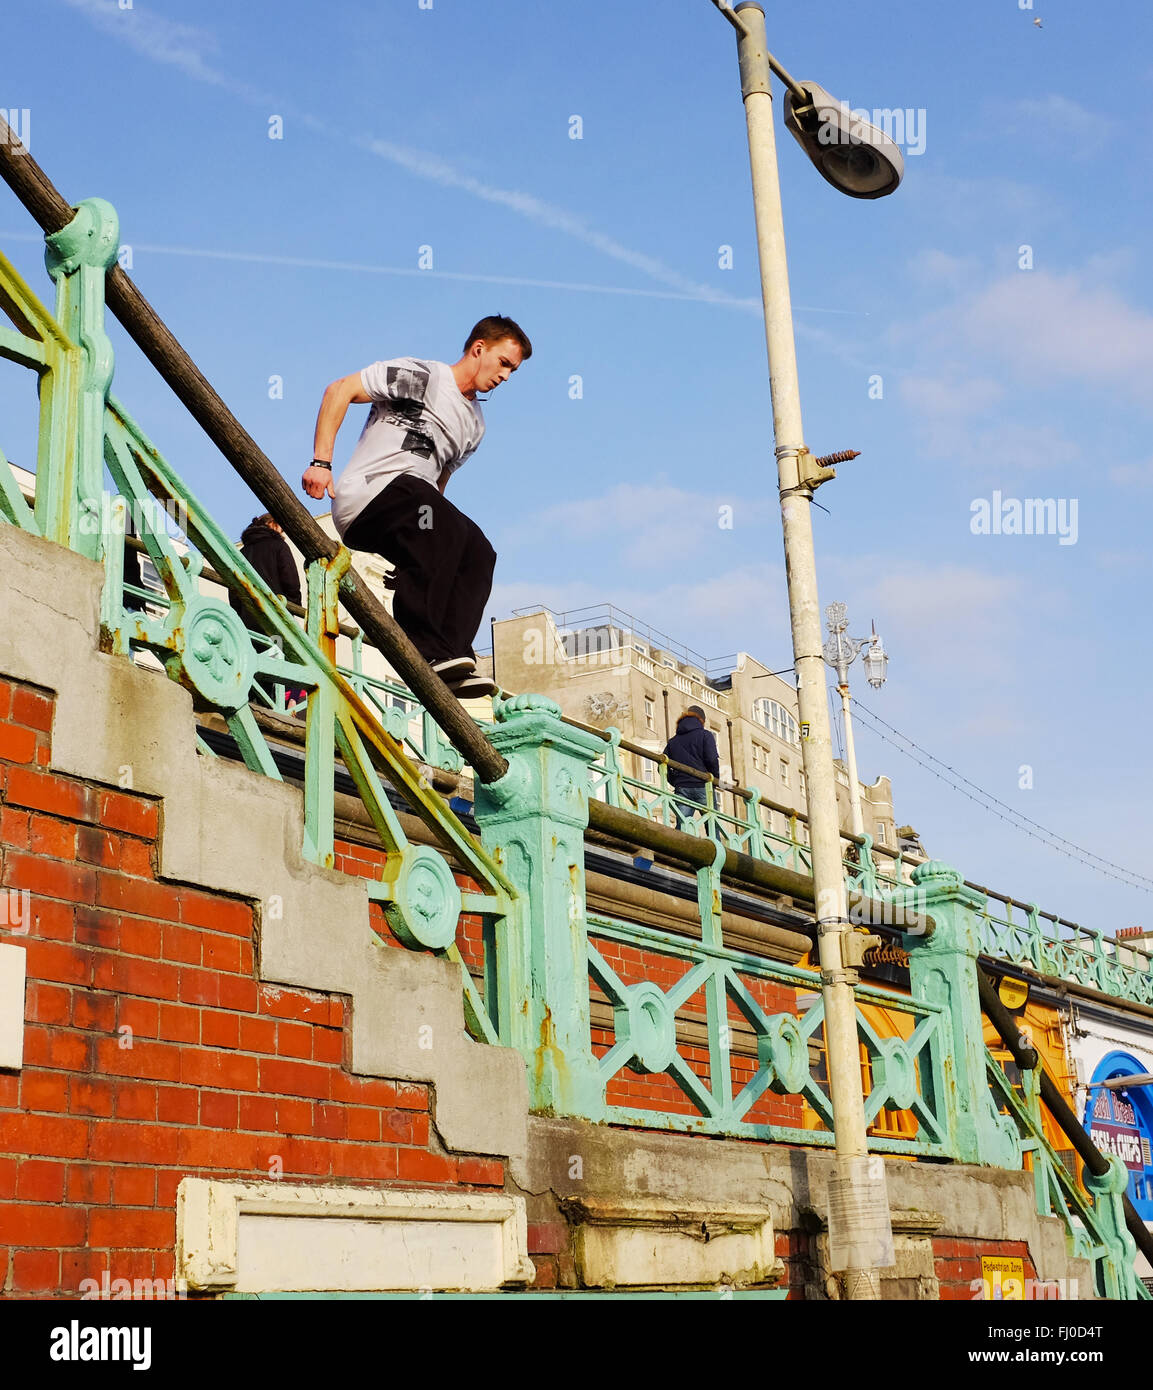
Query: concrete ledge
x=646, y=1243
x=268, y=1238
x=230, y=830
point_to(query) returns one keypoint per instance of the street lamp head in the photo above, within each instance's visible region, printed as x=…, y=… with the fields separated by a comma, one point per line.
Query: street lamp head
x=852, y=155
x=876, y=663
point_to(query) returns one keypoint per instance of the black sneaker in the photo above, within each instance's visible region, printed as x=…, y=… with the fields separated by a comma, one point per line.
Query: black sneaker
x=454, y=668
x=472, y=687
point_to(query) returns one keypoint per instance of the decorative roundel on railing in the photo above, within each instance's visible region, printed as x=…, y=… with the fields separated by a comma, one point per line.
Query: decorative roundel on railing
x=651, y=1028
x=218, y=658
x=425, y=906
x=784, y=1049
x=893, y=1069
x=395, y=721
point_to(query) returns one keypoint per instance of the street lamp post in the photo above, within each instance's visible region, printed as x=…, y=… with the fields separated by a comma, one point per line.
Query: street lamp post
x=860, y=1236
x=841, y=651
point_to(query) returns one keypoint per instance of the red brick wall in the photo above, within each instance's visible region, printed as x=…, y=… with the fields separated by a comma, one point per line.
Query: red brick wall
x=958, y=1263
x=152, y=1052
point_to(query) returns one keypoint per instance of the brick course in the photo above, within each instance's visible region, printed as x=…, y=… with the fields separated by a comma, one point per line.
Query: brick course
x=152, y=1051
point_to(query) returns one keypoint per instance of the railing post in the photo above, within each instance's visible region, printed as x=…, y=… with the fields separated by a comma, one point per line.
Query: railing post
x=612, y=782
x=1108, y=1190
x=943, y=970
x=533, y=821
x=868, y=867
x=70, y=501
x=756, y=846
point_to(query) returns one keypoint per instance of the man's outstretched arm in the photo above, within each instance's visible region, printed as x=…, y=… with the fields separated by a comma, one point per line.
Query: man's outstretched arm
x=338, y=396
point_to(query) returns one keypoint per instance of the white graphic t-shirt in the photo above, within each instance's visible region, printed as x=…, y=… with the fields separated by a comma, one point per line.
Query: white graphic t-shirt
x=420, y=423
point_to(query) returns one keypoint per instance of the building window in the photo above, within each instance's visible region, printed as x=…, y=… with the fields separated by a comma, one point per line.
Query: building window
x=650, y=714
x=649, y=772
x=761, y=759
x=150, y=576
x=784, y=773
x=881, y=833
x=777, y=719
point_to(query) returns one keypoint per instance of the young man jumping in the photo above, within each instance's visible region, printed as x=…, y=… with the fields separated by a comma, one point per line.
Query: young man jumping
x=424, y=423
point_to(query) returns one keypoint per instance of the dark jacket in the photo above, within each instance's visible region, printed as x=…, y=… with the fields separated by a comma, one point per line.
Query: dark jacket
x=693, y=745
x=267, y=552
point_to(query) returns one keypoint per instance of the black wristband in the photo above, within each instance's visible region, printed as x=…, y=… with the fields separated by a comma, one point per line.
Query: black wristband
x=321, y=463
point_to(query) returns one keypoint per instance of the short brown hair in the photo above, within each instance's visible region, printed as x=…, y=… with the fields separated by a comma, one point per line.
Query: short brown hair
x=495, y=327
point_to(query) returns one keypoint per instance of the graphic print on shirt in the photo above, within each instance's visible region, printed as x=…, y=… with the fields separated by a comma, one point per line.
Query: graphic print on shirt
x=407, y=388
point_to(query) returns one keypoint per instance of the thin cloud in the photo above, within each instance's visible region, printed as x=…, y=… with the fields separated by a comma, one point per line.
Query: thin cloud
x=167, y=41
x=187, y=48
x=361, y=268
x=439, y=171
x=1061, y=123
x=1050, y=327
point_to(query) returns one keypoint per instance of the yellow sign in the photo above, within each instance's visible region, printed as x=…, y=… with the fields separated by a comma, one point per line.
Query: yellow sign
x=1012, y=993
x=1004, y=1278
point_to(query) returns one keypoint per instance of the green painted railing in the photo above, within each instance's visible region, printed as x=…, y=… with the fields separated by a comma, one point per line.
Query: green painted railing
x=750, y=1052
x=1024, y=935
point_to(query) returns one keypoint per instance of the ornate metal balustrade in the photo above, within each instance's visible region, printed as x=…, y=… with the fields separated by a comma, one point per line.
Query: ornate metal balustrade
x=758, y=1069
x=1024, y=935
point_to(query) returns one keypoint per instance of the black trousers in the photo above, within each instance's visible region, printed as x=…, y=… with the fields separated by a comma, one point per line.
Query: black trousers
x=444, y=564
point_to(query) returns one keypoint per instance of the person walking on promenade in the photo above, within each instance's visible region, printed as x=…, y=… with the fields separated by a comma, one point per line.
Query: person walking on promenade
x=693, y=745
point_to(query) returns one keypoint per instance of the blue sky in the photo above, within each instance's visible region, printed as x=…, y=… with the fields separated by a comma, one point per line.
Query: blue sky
x=449, y=127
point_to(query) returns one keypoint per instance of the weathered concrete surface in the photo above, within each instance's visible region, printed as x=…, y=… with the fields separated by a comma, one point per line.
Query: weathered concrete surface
x=643, y=1242
x=230, y=830
x=570, y=1161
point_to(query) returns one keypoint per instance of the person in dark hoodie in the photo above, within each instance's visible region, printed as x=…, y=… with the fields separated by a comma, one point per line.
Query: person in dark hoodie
x=693, y=745
x=266, y=550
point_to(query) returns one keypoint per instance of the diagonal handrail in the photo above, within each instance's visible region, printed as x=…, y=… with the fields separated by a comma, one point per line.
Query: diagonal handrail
x=50, y=209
